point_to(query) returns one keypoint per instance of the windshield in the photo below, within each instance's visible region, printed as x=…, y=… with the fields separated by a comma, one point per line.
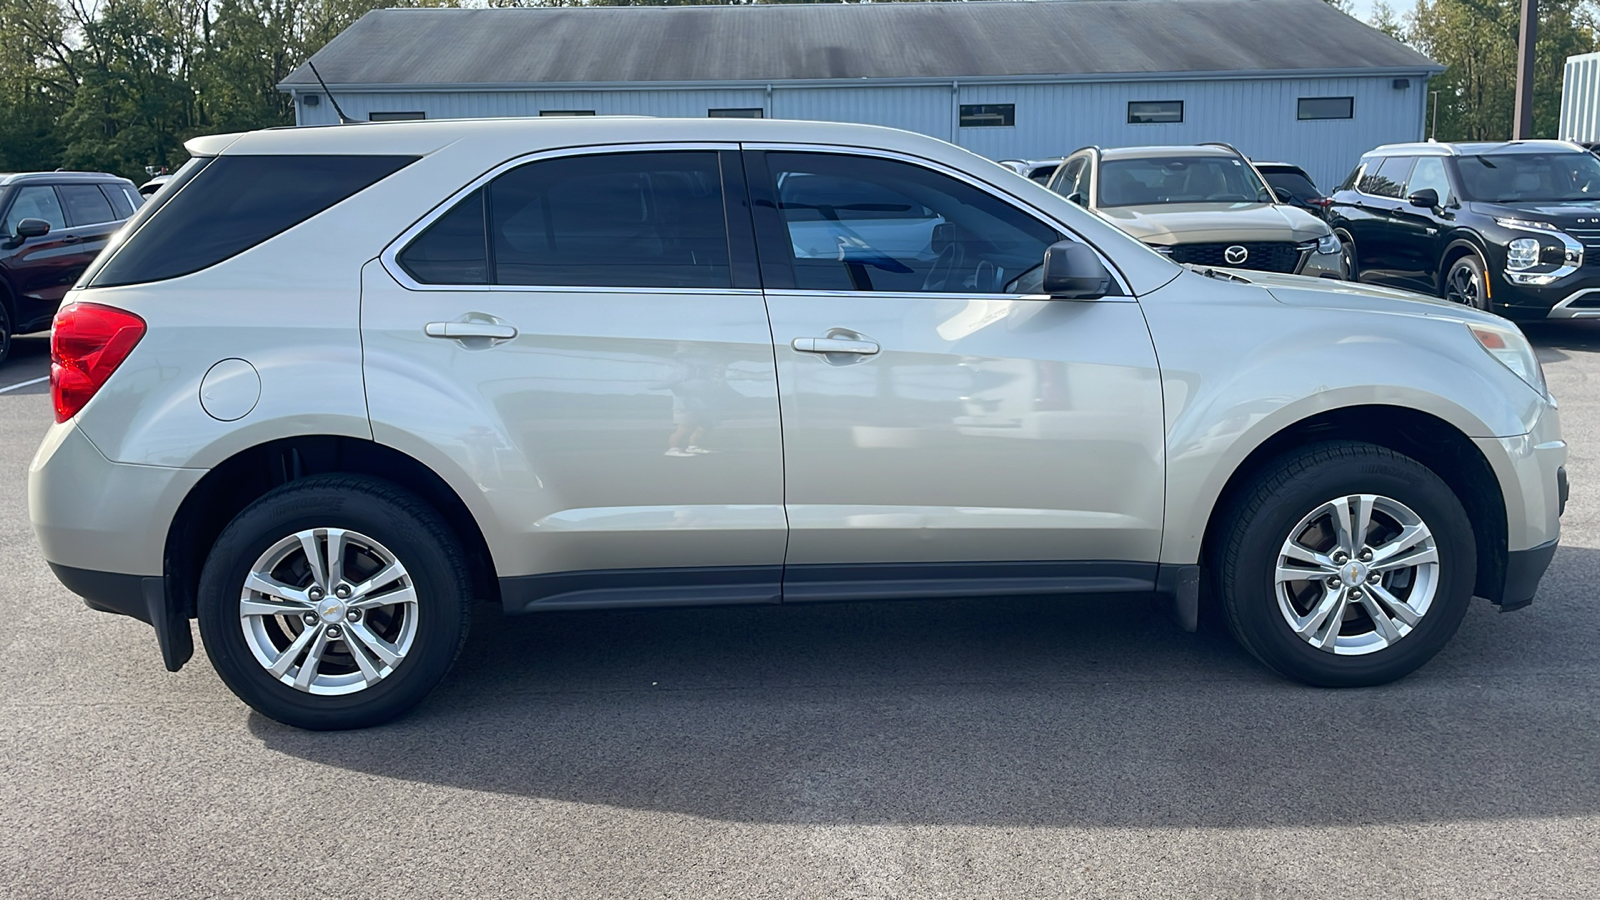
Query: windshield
x=1179, y=179
x=1530, y=177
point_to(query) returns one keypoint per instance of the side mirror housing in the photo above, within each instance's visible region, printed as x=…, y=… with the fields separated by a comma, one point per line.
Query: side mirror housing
x=1073, y=271
x=1427, y=198
x=32, y=228
x=1078, y=198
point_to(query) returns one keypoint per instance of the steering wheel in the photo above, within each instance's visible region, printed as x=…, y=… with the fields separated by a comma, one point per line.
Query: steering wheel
x=945, y=267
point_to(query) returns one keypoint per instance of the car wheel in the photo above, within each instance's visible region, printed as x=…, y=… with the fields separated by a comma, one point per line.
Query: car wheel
x=1346, y=564
x=1466, y=283
x=5, y=331
x=1347, y=249
x=334, y=602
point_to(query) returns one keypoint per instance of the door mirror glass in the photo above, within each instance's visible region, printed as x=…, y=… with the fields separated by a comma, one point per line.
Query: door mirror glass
x=1427, y=198
x=1072, y=271
x=32, y=228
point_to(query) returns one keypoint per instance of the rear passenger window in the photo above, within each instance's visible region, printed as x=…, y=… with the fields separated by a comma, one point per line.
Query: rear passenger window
x=453, y=249
x=232, y=204
x=85, y=204
x=120, y=204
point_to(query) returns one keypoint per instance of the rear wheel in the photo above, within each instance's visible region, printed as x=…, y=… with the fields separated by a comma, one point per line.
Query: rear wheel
x=1346, y=564
x=1466, y=283
x=5, y=328
x=334, y=602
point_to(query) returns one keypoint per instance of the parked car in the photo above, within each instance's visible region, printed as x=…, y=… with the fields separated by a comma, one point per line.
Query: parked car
x=52, y=224
x=150, y=187
x=1294, y=187
x=1204, y=205
x=1512, y=227
x=590, y=364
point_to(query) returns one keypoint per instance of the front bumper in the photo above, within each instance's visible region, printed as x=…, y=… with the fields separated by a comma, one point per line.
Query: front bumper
x=1531, y=470
x=1576, y=296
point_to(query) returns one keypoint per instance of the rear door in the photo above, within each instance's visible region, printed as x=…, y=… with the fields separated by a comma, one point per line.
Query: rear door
x=578, y=343
x=1373, y=223
x=946, y=428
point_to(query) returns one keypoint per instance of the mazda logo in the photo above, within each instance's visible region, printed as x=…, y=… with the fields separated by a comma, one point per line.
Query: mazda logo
x=1235, y=255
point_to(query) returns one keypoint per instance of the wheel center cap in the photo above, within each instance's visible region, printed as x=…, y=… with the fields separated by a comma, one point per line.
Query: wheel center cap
x=330, y=610
x=1353, y=573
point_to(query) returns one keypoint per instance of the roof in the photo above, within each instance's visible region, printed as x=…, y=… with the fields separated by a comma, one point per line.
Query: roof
x=1484, y=148
x=58, y=177
x=767, y=42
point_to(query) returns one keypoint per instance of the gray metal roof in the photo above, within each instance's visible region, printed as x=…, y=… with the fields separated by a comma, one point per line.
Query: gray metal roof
x=827, y=41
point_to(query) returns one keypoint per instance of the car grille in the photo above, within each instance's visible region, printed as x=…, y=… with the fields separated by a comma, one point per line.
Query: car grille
x=1590, y=239
x=1264, y=256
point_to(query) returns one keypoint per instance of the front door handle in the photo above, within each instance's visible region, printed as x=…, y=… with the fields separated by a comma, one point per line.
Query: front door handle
x=834, y=345
x=467, y=330
x=69, y=239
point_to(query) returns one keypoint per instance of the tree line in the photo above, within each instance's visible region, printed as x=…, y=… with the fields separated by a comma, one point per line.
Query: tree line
x=119, y=85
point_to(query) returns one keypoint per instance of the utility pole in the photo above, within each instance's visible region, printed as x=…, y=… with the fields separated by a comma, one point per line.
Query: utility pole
x=1433, y=129
x=1522, y=125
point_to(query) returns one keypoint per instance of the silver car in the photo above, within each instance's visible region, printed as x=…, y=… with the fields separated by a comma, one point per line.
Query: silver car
x=335, y=385
x=1205, y=205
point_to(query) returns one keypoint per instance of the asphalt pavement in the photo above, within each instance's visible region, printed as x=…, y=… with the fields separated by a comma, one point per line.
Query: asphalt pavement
x=1000, y=749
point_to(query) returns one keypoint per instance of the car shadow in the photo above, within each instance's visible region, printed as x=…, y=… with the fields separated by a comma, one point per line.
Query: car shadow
x=1037, y=712
x=1551, y=338
x=29, y=359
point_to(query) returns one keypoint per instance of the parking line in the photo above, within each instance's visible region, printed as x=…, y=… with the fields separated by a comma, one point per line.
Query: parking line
x=25, y=384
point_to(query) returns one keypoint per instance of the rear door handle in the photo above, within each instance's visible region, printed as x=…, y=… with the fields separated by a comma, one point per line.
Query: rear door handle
x=834, y=345
x=69, y=239
x=459, y=330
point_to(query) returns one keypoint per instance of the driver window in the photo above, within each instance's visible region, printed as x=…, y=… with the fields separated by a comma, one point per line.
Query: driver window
x=36, y=202
x=1429, y=173
x=859, y=223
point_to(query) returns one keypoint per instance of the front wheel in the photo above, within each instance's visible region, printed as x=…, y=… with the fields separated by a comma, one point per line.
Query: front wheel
x=1467, y=283
x=334, y=602
x=1347, y=249
x=1346, y=564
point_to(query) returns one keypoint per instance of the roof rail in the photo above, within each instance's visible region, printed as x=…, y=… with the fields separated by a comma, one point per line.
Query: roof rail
x=1228, y=147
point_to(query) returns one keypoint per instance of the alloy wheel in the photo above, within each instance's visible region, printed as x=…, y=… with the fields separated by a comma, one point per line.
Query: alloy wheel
x=1464, y=285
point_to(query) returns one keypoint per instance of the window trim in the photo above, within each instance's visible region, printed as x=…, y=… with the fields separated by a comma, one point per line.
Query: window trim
x=1300, y=116
x=1125, y=292
x=390, y=262
x=1133, y=121
x=961, y=115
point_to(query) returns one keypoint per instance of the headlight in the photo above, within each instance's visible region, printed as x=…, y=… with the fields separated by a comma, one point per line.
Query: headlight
x=1328, y=243
x=1522, y=253
x=1508, y=222
x=1513, y=350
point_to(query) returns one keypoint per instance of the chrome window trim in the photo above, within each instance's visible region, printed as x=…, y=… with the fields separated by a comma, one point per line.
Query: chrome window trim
x=389, y=258
x=957, y=174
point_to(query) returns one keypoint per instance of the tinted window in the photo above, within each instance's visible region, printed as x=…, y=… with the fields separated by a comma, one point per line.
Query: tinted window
x=393, y=116
x=621, y=220
x=1150, y=112
x=36, y=201
x=754, y=112
x=1429, y=173
x=1530, y=177
x=867, y=224
x=85, y=204
x=988, y=115
x=1326, y=108
x=1386, y=179
x=1295, y=183
x=232, y=204
x=1179, y=179
x=453, y=249
x=120, y=202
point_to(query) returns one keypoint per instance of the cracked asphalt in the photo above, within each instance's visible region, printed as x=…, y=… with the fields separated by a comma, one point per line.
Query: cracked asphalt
x=1019, y=748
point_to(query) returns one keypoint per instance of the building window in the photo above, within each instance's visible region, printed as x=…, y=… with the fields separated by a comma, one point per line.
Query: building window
x=1150, y=112
x=1327, y=108
x=988, y=115
x=566, y=112
x=754, y=112
x=395, y=116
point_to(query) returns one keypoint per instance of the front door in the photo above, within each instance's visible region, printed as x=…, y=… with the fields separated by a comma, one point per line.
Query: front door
x=574, y=347
x=941, y=420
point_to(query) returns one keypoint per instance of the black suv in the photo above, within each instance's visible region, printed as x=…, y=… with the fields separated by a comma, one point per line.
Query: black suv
x=52, y=225
x=1510, y=227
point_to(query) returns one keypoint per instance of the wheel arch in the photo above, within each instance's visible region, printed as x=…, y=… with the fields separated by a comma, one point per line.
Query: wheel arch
x=1454, y=250
x=1433, y=442
x=247, y=475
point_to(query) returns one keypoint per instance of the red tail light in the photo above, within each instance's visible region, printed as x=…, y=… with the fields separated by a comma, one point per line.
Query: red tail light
x=1323, y=202
x=87, y=343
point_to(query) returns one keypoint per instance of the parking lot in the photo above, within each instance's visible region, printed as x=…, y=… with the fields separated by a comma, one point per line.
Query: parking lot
x=1017, y=748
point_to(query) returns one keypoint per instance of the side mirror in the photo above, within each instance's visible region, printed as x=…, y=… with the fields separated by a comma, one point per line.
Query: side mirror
x=1427, y=198
x=1078, y=198
x=1072, y=271
x=32, y=228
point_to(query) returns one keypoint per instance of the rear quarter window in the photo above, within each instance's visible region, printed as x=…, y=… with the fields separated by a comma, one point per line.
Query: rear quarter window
x=232, y=203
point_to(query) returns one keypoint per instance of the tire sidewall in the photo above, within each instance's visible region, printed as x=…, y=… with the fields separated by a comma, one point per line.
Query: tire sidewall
x=1348, y=249
x=1473, y=262
x=5, y=327
x=439, y=585
x=1253, y=591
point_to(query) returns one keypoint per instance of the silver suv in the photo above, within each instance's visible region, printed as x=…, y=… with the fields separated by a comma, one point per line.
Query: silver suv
x=1205, y=205
x=334, y=385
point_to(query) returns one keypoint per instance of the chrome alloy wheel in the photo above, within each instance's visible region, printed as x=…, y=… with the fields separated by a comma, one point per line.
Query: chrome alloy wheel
x=1357, y=574
x=328, y=611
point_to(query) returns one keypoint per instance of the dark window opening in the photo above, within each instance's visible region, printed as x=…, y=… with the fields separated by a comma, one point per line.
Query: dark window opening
x=453, y=249
x=85, y=204
x=566, y=112
x=988, y=115
x=390, y=116
x=1327, y=108
x=754, y=112
x=230, y=204
x=1152, y=112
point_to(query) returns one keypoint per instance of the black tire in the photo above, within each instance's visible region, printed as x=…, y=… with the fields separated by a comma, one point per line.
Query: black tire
x=395, y=518
x=1473, y=287
x=1347, y=249
x=1261, y=519
x=5, y=328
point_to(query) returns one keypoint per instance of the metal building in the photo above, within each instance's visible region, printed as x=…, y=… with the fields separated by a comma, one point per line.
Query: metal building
x=1288, y=80
x=1580, y=99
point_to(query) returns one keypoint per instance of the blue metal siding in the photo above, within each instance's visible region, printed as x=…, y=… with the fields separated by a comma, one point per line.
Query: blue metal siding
x=1052, y=119
x=1580, y=98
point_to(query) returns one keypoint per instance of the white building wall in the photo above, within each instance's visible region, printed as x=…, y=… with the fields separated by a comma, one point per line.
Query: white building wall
x=1580, y=99
x=1256, y=115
